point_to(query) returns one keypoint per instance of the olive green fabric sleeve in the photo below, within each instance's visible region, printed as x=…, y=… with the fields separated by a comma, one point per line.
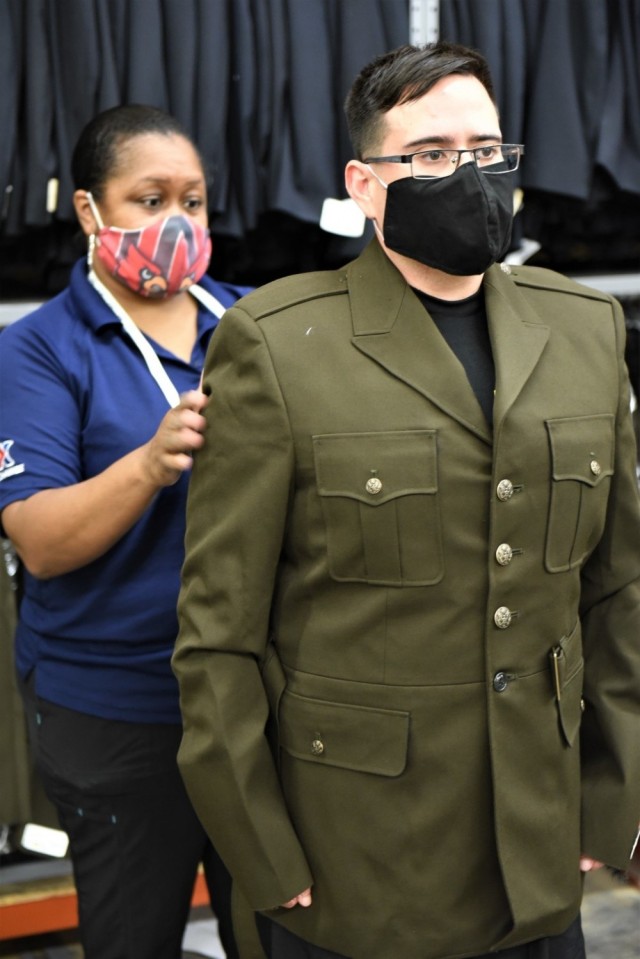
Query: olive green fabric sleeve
x=236, y=517
x=610, y=604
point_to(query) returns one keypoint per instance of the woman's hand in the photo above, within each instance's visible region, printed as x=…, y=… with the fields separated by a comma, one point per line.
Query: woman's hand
x=169, y=452
x=58, y=530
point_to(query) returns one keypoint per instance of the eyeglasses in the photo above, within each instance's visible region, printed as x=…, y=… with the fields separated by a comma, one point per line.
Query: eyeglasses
x=493, y=158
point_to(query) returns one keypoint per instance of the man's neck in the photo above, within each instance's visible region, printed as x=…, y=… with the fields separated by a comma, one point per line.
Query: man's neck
x=445, y=286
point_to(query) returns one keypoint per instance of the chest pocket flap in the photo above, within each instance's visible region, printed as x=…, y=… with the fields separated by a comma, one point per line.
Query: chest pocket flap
x=401, y=462
x=582, y=448
x=582, y=451
x=380, y=505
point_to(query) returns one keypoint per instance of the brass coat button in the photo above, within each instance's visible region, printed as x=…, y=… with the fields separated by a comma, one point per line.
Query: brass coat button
x=504, y=490
x=504, y=554
x=502, y=617
x=373, y=485
x=317, y=747
x=595, y=467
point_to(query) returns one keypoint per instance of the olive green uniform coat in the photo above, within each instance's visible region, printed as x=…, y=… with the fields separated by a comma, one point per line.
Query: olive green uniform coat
x=409, y=653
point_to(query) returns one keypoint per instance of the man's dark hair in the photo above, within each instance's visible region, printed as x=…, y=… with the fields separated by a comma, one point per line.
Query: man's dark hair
x=97, y=153
x=400, y=76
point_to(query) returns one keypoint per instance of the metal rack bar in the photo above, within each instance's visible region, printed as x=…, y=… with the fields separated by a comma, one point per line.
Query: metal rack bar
x=424, y=21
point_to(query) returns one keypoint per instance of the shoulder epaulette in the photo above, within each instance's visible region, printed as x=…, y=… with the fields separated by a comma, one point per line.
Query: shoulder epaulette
x=292, y=290
x=542, y=279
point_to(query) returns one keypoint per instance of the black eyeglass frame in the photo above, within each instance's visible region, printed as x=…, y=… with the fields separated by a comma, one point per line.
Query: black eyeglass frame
x=408, y=157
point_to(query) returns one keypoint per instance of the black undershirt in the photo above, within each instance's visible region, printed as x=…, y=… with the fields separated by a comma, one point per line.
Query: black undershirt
x=463, y=324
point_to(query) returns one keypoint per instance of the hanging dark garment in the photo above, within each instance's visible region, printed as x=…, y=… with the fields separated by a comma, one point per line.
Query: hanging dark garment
x=181, y=28
x=498, y=29
x=243, y=196
x=501, y=36
x=10, y=70
x=328, y=43
x=455, y=22
x=271, y=63
x=277, y=144
x=37, y=150
x=387, y=27
x=83, y=81
x=306, y=174
x=142, y=53
x=535, y=49
x=211, y=96
x=565, y=99
x=260, y=85
x=619, y=144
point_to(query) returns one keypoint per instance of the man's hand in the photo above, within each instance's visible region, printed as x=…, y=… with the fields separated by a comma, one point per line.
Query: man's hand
x=587, y=864
x=304, y=899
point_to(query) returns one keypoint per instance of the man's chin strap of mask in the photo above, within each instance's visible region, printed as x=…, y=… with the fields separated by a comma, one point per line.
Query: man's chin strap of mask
x=379, y=179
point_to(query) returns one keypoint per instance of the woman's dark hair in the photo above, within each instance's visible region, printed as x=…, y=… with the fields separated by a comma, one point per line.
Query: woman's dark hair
x=97, y=153
x=400, y=76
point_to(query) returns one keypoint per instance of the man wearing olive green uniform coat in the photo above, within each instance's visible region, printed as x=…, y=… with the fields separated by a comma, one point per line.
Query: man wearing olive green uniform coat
x=409, y=653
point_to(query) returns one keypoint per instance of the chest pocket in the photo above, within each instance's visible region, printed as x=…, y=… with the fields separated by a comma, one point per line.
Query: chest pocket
x=582, y=466
x=380, y=503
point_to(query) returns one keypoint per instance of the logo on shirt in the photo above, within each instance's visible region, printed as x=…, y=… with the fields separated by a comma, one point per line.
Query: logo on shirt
x=8, y=466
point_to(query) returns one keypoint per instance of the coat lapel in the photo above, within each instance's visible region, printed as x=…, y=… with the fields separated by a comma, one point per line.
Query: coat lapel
x=391, y=328
x=518, y=338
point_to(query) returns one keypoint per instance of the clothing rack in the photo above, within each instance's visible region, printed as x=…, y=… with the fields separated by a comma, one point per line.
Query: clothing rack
x=620, y=285
x=424, y=21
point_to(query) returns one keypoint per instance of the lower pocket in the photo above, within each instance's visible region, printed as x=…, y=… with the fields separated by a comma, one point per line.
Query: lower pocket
x=360, y=738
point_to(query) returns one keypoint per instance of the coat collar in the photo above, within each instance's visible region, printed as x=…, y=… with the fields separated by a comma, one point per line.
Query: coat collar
x=390, y=327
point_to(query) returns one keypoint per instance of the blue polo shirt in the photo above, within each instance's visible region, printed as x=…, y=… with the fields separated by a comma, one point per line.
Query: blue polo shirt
x=76, y=395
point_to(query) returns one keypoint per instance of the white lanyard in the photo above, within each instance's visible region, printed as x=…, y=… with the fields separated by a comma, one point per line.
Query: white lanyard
x=149, y=355
x=208, y=300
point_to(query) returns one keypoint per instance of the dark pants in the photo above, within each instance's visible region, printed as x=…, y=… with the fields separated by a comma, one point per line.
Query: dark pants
x=279, y=943
x=134, y=839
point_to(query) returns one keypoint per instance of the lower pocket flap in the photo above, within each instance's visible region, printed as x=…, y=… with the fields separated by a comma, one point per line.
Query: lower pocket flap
x=360, y=738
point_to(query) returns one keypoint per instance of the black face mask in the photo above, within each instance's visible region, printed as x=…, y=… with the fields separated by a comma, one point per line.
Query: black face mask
x=459, y=224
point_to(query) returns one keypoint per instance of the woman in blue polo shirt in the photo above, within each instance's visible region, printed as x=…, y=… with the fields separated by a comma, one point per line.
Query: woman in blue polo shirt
x=100, y=416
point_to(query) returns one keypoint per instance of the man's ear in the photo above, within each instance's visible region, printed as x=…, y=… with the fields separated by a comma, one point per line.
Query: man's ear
x=359, y=182
x=86, y=219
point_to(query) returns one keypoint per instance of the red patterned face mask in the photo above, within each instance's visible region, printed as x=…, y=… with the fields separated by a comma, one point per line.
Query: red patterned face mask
x=158, y=260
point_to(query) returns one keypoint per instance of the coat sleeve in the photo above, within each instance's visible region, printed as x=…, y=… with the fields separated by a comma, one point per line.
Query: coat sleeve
x=236, y=517
x=610, y=735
